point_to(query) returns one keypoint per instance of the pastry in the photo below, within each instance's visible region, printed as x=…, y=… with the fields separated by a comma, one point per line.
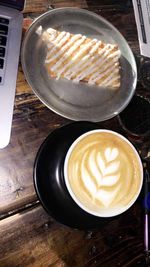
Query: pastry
x=81, y=59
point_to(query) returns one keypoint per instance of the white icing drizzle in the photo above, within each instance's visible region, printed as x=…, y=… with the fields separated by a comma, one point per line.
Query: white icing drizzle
x=83, y=62
x=64, y=48
x=108, y=79
x=95, y=47
x=52, y=32
x=77, y=71
x=58, y=43
x=105, y=69
x=90, y=62
x=55, y=41
x=75, y=57
x=100, y=71
x=69, y=52
x=101, y=75
x=75, y=46
x=115, y=53
x=84, y=49
x=74, y=67
x=72, y=62
x=97, y=64
x=112, y=80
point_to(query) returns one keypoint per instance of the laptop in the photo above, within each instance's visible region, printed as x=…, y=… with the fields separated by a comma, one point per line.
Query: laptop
x=11, y=20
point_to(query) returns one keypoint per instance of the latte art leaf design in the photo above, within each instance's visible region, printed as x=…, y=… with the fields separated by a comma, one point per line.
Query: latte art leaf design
x=111, y=154
x=100, y=173
x=104, y=173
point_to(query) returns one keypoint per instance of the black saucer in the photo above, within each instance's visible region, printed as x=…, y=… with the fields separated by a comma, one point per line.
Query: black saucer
x=49, y=178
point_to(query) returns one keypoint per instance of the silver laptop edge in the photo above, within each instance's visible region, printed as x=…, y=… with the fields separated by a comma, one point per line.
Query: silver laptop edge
x=8, y=85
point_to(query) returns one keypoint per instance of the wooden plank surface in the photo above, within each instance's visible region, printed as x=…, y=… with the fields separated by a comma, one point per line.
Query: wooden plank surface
x=28, y=236
x=32, y=121
x=33, y=239
x=36, y=6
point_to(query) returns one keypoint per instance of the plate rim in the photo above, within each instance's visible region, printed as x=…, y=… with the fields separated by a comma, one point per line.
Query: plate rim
x=44, y=101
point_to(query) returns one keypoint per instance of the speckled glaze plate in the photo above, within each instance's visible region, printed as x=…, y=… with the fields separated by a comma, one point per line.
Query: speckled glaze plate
x=49, y=178
x=77, y=101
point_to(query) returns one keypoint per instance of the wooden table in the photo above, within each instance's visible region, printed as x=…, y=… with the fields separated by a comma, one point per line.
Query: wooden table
x=28, y=235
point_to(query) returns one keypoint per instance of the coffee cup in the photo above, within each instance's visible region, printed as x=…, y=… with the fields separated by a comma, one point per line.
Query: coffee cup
x=103, y=173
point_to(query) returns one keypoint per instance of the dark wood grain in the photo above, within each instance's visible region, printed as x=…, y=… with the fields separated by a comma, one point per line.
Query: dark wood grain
x=28, y=236
x=32, y=121
x=35, y=6
x=34, y=239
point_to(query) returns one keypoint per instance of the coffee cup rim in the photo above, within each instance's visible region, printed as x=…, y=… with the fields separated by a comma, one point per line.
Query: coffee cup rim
x=66, y=179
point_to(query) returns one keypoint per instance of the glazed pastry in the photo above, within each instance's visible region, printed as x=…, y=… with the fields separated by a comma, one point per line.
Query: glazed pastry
x=81, y=59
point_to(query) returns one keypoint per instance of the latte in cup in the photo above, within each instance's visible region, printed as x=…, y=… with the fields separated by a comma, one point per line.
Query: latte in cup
x=103, y=173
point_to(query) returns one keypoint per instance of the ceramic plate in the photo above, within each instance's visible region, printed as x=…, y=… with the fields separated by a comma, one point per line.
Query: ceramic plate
x=77, y=101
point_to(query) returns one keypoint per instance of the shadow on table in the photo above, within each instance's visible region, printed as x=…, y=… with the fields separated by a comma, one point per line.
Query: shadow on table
x=117, y=244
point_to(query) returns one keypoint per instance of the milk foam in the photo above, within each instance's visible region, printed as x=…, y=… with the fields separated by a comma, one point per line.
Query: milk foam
x=103, y=172
x=98, y=171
